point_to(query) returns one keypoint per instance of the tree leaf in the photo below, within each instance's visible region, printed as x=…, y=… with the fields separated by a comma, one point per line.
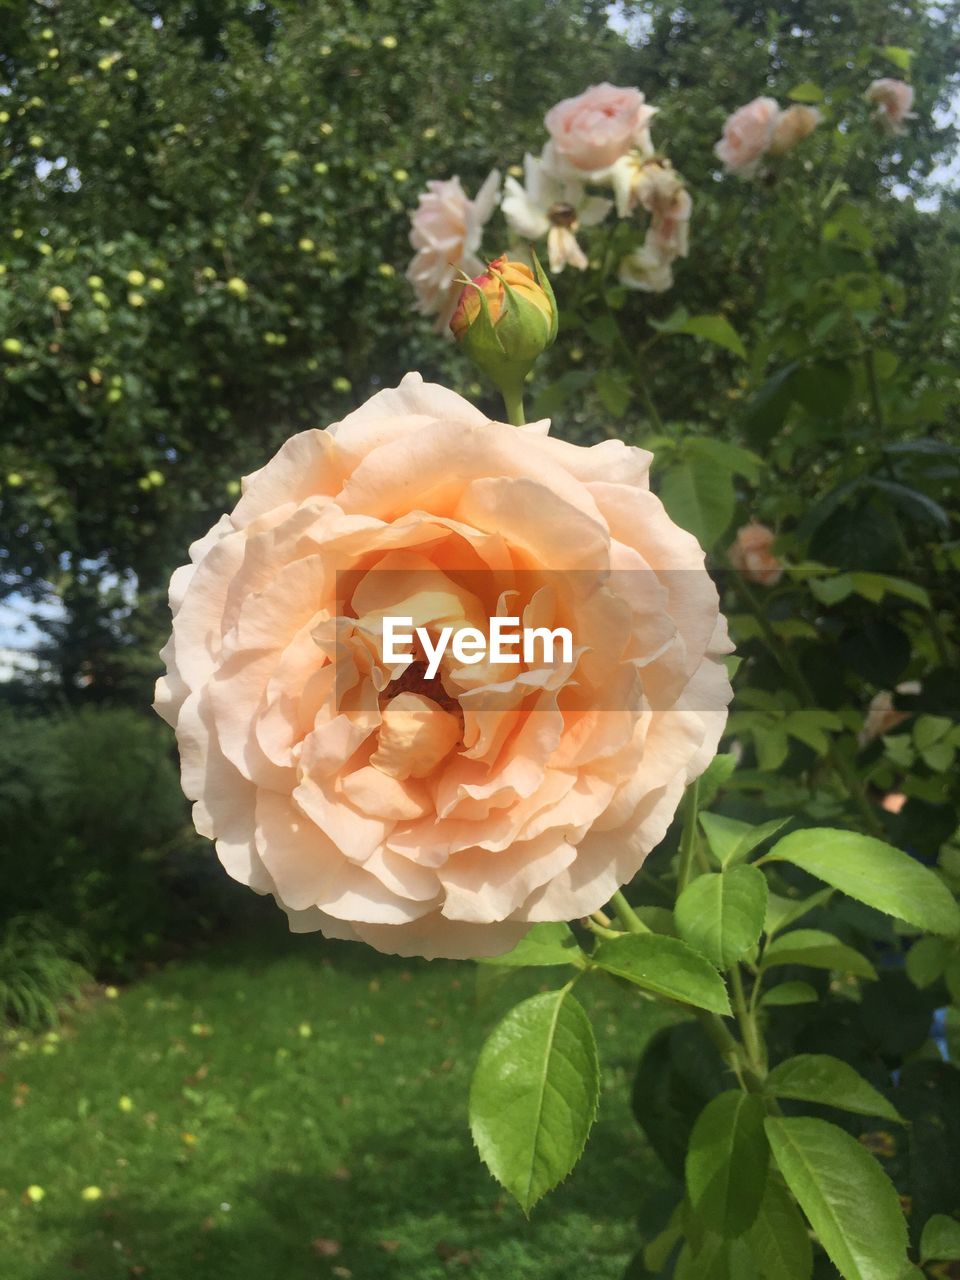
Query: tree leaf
x=779, y=1237
x=726, y=1169
x=699, y=496
x=545, y=944
x=711, y=328
x=787, y=993
x=872, y=872
x=899, y=56
x=534, y=1095
x=940, y=1241
x=806, y=92
x=665, y=966
x=721, y=914
x=731, y=840
x=817, y=949
x=818, y=1077
x=849, y=1200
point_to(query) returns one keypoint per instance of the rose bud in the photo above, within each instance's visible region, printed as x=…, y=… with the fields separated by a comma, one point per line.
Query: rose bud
x=505, y=318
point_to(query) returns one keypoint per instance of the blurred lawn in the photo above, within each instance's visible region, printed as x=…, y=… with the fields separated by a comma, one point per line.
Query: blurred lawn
x=286, y=1108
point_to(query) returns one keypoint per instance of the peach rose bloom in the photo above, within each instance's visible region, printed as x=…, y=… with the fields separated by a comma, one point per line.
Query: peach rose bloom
x=794, y=124
x=893, y=100
x=593, y=130
x=747, y=135
x=441, y=817
x=751, y=554
x=446, y=231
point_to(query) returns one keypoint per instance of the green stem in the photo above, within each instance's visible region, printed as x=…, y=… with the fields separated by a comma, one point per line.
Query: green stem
x=651, y=408
x=688, y=835
x=513, y=402
x=729, y=1049
x=785, y=660
x=747, y=1024
x=626, y=914
x=600, y=930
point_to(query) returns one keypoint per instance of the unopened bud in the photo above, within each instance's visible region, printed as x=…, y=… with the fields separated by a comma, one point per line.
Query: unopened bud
x=505, y=318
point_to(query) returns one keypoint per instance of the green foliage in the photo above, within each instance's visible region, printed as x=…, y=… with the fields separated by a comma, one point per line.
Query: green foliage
x=41, y=967
x=874, y=873
x=722, y=914
x=665, y=966
x=817, y=1077
x=727, y=1163
x=849, y=1200
x=534, y=1095
x=96, y=835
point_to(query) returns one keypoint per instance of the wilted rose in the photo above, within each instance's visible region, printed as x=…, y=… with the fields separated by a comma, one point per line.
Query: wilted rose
x=752, y=555
x=893, y=100
x=793, y=125
x=593, y=130
x=747, y=135
x=441, y=817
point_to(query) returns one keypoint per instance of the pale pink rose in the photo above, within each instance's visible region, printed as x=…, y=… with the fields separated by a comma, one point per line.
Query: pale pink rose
x=794, y=124
x=747, y=135
x=441, y=817
x=593, y=130
x=751, y=555
x=893, y=100
x=446, y=231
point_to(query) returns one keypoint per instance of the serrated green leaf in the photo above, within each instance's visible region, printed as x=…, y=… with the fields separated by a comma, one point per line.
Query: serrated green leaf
x=721, y=914
x=779, y=1237
x=849, y=1200
x=545, y=944
x=786, y=993
x=726, y=1168
x=872, y=872
x=818, y=1077
x=940, y=1241
x=665, y=966
x=817, y=949
x=534, y=1095
x=731, y=840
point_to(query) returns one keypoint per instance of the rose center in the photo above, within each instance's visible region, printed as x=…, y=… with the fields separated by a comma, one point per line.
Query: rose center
x=563, y=215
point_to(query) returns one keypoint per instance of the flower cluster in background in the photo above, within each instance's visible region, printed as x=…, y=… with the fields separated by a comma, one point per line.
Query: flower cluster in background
x=601, y=139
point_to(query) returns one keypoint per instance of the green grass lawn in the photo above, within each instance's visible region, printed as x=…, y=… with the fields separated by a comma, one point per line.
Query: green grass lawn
x=279, y=1108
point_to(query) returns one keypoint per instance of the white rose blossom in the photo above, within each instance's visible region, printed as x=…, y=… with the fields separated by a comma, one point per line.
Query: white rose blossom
x=552, y=205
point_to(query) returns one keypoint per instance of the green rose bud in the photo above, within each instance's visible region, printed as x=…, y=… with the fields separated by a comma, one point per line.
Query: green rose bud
x=504, y=319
